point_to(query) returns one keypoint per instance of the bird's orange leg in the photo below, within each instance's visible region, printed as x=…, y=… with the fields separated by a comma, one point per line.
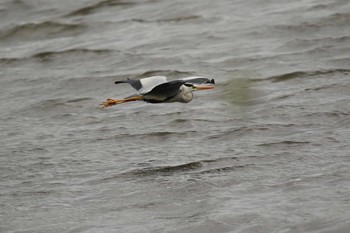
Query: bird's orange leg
x=111, y=102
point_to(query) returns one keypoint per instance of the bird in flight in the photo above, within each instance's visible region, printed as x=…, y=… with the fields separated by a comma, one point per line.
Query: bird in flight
x=158, y=89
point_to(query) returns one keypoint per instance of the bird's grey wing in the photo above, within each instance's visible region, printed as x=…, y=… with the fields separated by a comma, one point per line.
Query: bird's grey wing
x=164, y=91
x=198, y=80
x=146, y=84
x=134, y=83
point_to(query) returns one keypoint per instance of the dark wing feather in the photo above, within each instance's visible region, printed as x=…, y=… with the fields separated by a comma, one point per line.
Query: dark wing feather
x=146, y=84
x=134, y=83
x=164, y=91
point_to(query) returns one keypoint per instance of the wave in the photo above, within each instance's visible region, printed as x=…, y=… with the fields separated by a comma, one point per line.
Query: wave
x=202, y=166
x=43, y=30
x=182, y=121
x=169, y=20
x=47, y=56
x=302, y=74
x=224, y=169
x=338, y=114
x=324, y=25
x=76, y=100
x=154, y=136
x=239, y=132
x=59, y=107
x=9, y=61
x=296, y=143
x=159, y=170
x=168, y=169
x=98, y=6
x=48, y=104
x=335, y=19
x=312, y=46
x=323, y=41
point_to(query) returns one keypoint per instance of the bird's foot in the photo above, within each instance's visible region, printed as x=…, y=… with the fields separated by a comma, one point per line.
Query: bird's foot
x=110, y=102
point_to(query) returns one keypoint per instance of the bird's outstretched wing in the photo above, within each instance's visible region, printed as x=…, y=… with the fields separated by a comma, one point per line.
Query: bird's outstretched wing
x=146, y=84
x=164, y=91
x=198, y=80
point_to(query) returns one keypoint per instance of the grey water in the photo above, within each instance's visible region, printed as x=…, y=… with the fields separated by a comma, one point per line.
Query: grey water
x=267, y=150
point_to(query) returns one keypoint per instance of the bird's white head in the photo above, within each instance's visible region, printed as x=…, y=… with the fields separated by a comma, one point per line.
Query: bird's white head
x=186, y=95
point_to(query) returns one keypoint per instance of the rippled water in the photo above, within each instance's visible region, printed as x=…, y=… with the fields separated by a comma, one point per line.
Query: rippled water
x=266, y=151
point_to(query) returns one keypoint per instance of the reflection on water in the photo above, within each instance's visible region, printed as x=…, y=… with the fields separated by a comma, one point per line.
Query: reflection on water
x=238, y=89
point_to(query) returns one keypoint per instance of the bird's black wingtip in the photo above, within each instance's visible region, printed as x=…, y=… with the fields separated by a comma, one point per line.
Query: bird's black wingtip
x=212, y=81
x=123, y=81
x=117, y=82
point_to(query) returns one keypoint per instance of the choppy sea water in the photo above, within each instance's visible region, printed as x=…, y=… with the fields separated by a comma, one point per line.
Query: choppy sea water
x=266, y=151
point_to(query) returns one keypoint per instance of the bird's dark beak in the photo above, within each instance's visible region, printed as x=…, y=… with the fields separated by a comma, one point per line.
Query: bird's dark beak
x=203, y=87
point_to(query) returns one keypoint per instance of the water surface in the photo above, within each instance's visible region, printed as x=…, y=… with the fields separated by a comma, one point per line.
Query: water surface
x=266, y=151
